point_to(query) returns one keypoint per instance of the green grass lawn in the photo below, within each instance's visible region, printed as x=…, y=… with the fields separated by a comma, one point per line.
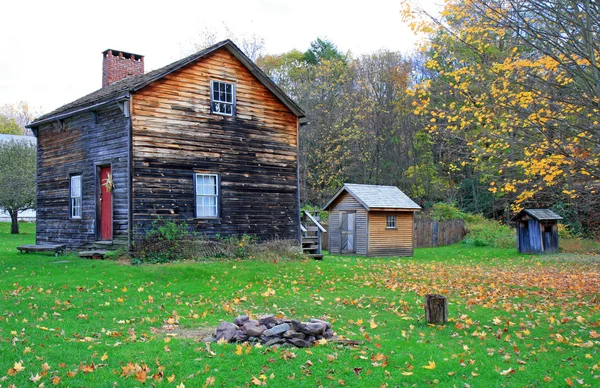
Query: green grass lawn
x=515, y=320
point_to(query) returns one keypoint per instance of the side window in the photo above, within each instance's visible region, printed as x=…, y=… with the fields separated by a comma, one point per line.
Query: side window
x=390, y=222
x=76, y=191
x=207, y=195
x=222, y=98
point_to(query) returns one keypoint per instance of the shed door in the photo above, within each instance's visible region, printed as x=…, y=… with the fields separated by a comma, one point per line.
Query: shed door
x=106, y=217
x=348, y=231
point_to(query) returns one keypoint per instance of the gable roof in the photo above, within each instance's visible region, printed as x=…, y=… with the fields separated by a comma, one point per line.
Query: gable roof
x=376, y=197
x=122, y=88
x=538, y=214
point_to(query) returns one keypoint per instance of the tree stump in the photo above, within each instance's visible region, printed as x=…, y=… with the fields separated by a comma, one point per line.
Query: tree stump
x=436, y=309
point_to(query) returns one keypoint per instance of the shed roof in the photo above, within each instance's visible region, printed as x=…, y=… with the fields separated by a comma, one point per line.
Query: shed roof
x=377, y=197
x=122, y=88
x=538, y=214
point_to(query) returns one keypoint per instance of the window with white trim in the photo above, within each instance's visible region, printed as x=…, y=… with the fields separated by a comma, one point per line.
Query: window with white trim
x=207, y=195
x=75, y=196
x=390, y=222
x=222, y=98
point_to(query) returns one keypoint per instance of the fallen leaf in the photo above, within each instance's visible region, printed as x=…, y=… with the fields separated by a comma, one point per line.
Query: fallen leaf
x=430, y=366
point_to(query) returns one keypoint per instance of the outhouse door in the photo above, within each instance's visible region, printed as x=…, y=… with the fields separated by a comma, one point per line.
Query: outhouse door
x=348, y=231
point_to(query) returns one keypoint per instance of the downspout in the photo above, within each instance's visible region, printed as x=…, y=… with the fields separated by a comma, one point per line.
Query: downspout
x=129, y=175
x=298, y=180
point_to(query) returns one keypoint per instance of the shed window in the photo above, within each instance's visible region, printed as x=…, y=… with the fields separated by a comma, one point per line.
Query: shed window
x=207, y=195
x=390, y=222
x=222, y=98
x=76, y=196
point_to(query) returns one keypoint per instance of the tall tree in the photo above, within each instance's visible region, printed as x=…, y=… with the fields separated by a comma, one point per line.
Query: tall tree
x=17, y=178
x=20, y=113
x=514, y=85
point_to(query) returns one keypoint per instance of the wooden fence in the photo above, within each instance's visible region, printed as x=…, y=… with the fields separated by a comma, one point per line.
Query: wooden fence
x=427, y=233
x=430, y=233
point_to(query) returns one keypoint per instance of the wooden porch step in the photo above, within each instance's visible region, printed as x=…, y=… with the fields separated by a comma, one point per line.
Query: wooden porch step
x=96, y=254
x=56, y=248
x=311, y=247
x=316, y=256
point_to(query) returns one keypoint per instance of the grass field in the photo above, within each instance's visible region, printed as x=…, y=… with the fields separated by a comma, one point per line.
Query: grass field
x=515, y=320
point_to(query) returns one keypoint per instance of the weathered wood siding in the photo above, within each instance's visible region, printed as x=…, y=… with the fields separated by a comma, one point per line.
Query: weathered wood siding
x=255, y=152
x=345, y=202
x=390, y=242
x=78, y=148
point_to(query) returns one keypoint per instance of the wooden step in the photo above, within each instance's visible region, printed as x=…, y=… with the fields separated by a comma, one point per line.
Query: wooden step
x=311, y=247
x=96, y=254
x=56, y=248
x=316, y=256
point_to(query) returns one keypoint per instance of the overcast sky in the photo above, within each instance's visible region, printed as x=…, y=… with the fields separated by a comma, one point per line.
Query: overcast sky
x=50, y=51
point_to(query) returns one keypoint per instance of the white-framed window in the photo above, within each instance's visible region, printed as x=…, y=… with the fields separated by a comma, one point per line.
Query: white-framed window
x=76, y=189
x=390, y=222
x=222, y=98
x=207, y=195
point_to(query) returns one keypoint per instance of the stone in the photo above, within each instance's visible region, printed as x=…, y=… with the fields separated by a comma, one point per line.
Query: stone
x=255, y=331
x=315, y=320
x=249, y=324
x=275, y=341
x=226, y=331
x=310, y=340
x=328, y=334
x=299, y=342
x=266, y=319
x=276, y=330
x=293, y=334
x=310, y=328
x=241, y=320
x=240, y=336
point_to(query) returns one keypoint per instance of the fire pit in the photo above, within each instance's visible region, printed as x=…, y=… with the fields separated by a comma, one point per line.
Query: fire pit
x=269, y=330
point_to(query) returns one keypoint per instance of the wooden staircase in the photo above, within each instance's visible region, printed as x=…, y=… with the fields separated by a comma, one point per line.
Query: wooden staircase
x=311, y=235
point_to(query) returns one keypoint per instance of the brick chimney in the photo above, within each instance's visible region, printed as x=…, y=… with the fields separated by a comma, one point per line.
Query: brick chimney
x=117, y=65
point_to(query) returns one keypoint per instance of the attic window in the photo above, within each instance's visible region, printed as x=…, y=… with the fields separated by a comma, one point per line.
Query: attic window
x=222, y=98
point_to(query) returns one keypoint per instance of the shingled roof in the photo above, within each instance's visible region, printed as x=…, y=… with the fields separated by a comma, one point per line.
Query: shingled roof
x=377, y=197
x=121, y=89
x=538, y=214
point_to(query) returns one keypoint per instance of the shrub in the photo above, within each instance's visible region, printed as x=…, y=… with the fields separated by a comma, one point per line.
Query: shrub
x=162, y=243
x=446, y=211
x=483, y=232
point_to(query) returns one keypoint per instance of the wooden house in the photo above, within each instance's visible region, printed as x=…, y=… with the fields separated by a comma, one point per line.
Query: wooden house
x=537, y=230
x=209, y=140
x=371, y=220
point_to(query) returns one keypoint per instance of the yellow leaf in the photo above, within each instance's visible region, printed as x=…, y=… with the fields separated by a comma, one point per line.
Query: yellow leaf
x=373, y=324
x=104, y=357
x=407, y=373
x=19, y=366
x=209, y=381
x=182, y=385
x=430, y=366
x=171, y=378
x=239, y=350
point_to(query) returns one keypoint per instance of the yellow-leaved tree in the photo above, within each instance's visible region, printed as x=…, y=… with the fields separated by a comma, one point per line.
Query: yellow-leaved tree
x=516, y=85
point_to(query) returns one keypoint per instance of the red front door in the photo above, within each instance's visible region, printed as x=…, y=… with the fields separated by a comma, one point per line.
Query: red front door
x=106, y=232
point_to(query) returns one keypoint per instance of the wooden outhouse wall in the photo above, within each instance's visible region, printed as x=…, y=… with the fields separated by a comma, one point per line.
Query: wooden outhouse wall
x=254, y=152
x=77, y=148
x=390, y=242
x=345, y=202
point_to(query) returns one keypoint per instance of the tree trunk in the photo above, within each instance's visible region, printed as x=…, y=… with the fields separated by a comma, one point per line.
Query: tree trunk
x=436, y=309
x=14, y=217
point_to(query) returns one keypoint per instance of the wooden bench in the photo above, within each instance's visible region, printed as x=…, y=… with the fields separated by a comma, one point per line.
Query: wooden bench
x=95, y=255
x=56, y=248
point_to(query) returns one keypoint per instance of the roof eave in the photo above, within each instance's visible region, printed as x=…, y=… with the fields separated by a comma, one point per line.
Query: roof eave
x=86, y=108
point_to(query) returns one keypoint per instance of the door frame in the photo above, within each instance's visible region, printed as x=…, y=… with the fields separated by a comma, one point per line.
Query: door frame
x=342, y=212
x=97, y=193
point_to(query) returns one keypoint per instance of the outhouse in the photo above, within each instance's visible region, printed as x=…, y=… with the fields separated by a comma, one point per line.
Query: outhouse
x=371, y=220
x=537, y=231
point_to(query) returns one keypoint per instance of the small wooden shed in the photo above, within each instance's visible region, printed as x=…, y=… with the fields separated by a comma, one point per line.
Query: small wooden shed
x=371, y=220
x=537, y=230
